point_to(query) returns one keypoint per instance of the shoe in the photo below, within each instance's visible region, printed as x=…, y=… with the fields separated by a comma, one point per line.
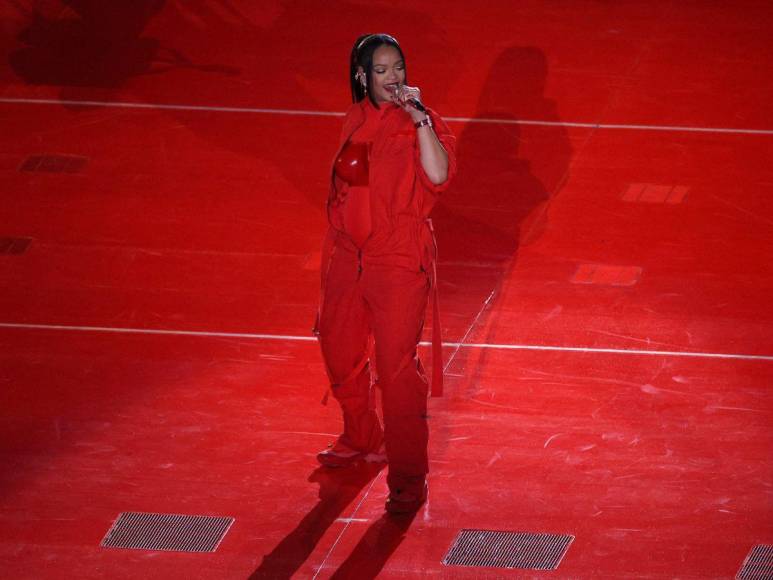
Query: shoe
x=400, y=502
x=378, y=456
x=339, y=455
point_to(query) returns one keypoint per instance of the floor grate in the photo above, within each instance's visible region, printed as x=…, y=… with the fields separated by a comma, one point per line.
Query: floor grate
x=497, y=549
x=758, y=564
x=168, y=532
x=14, y=246
x=54, y=163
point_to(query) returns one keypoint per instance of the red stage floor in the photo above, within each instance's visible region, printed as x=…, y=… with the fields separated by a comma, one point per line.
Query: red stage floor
x=605, y=274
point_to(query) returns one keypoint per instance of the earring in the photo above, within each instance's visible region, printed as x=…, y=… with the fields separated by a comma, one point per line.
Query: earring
x=360, y=76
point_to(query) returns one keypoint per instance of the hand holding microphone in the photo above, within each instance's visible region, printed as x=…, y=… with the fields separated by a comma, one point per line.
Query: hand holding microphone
x=408, y=97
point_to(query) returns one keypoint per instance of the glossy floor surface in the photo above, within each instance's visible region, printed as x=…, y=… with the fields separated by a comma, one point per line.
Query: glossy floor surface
x=605, y=274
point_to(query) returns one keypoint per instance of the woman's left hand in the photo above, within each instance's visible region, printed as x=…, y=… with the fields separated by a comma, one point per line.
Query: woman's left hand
x=402, y=97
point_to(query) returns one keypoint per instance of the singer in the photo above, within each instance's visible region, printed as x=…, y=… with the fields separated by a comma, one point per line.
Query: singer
x=378, y=269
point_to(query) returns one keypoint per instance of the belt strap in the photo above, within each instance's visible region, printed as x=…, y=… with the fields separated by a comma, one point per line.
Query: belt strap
x=437, y=338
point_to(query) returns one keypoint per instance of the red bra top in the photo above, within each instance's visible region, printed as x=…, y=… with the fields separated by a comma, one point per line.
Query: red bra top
x=351, y=165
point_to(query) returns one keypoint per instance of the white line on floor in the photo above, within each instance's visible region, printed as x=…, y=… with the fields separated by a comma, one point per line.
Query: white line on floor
x=258, y=110
x=615, y=351
x=159, y=331
x=295, y=338
x=125, y=105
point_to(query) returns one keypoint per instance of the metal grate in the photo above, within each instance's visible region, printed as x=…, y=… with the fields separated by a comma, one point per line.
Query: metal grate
x=496, y=549
x=54, y=163
x=169, y=532
x=758, y=564
x=14, y=246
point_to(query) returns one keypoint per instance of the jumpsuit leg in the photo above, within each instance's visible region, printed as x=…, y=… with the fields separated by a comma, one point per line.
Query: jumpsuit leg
x=397, y=300
x=344, y=332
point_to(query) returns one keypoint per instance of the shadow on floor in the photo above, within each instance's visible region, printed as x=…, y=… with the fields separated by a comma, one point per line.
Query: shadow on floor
x=337, y=489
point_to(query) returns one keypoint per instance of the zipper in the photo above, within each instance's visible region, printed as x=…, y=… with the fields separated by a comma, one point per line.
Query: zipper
x=359, y=263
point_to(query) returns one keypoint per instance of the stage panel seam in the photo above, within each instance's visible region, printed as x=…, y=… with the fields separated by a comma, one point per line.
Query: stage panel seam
x=295, y=338
x=301, y=112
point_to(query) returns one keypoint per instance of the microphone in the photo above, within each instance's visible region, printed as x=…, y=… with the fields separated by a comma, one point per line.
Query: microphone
x=415, y=103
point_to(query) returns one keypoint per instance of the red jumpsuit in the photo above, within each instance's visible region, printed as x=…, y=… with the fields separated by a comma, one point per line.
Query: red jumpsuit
x=377, y=270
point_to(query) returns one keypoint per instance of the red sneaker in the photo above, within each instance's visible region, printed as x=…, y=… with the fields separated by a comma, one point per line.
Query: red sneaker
x=378, y=456
x=339, y=455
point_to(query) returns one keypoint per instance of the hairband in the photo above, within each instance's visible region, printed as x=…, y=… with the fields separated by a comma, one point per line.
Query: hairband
x=363, y=41
x=370, y=36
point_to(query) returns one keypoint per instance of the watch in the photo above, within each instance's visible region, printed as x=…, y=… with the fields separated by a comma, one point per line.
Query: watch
x=425, y=121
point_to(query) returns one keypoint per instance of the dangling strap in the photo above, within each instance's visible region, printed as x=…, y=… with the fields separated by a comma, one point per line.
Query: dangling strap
x=352, y=375
x=328, y=247
x=437, y=338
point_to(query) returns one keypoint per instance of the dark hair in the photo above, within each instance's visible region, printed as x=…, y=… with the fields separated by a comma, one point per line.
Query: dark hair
x=362, y=56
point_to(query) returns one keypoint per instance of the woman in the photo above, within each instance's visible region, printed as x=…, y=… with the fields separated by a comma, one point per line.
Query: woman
x=395, y=157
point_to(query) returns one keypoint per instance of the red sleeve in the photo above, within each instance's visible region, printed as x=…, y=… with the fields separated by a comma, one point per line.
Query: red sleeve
x=448, y=141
